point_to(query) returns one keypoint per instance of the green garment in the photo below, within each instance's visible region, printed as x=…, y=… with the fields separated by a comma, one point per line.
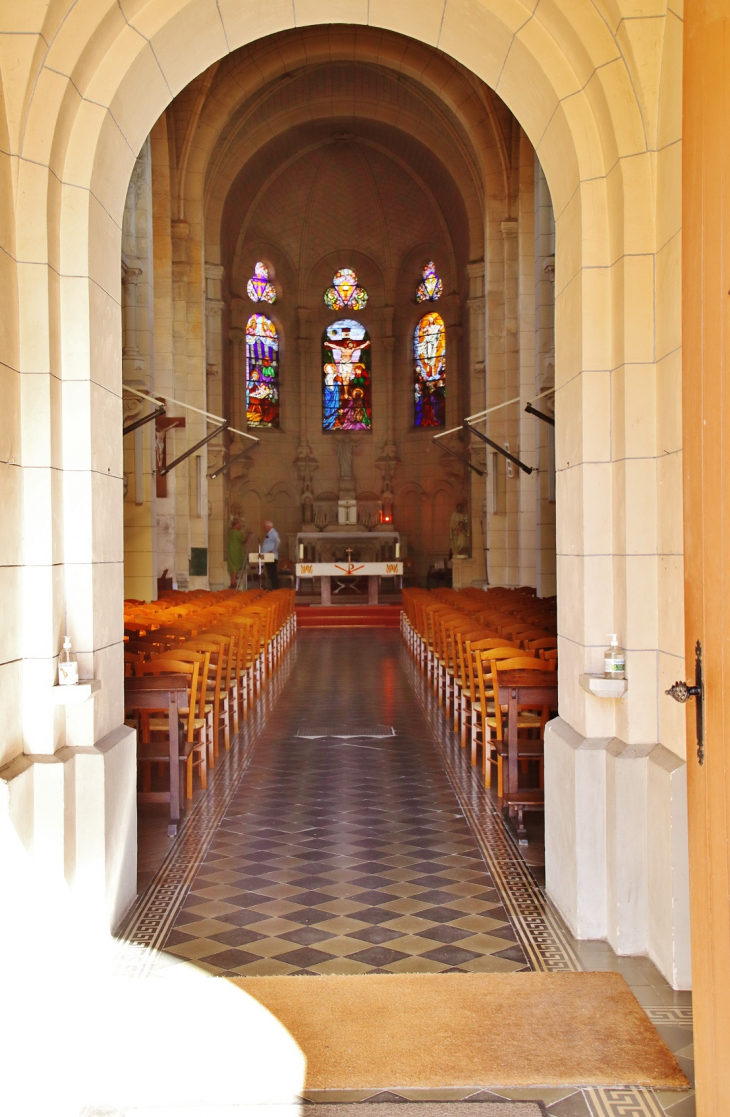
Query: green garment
x=235, y=551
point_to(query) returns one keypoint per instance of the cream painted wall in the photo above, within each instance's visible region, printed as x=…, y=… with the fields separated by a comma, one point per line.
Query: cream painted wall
x=596, y=88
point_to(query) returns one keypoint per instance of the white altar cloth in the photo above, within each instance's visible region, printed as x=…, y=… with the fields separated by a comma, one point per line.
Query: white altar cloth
x=349, y=569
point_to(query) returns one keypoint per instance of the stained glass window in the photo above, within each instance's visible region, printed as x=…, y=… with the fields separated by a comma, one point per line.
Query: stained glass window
x=262, y=372
x=429, y=352
x=345, y=293
x=346, y=391
x=259, y=288
x=431, y=286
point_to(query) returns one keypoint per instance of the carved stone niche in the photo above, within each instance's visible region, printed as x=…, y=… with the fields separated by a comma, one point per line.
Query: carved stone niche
x=325, y=510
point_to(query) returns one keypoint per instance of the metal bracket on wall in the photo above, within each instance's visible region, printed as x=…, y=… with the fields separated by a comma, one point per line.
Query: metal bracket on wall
x=461, y=458
x=500, y=450
x=539, y=414
x=145, y=419
x=218, y=430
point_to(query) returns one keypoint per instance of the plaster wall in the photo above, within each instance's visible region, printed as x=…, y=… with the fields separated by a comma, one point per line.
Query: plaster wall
x=596, y=90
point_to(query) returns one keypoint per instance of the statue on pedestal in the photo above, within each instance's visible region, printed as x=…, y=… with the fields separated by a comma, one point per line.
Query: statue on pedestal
x=459, y=532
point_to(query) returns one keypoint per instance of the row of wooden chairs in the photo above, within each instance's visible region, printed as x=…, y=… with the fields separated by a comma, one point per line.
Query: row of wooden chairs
x=227, y=645
x=461, y=640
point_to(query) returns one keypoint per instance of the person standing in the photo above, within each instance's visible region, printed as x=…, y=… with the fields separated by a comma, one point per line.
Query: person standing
x=235, y=549
x=270, y=546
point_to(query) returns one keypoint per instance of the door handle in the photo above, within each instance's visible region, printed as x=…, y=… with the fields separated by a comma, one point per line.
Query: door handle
x=681, y=691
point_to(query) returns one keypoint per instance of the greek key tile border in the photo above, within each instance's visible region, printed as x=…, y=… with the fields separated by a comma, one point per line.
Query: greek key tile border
x=146, y=926
x=677, y=1016
x=624, y=1102
x=538, y=926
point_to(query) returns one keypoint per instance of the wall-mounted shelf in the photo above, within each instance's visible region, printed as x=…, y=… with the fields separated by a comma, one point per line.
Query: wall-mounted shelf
x=73, y=695
x=601, y=687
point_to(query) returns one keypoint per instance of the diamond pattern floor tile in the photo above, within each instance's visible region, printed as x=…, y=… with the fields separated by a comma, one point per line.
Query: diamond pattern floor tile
x=341, y=859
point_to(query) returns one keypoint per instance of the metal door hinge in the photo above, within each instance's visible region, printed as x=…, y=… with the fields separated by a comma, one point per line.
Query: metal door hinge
x=681, y=691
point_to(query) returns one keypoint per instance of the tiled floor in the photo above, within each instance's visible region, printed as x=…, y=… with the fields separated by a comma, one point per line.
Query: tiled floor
x=330, y=842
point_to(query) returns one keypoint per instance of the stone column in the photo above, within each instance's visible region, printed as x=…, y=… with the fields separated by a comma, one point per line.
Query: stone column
x=544, y=281
x=237, y=338
x=528, y=433
x=216, y=403
x=475, y=399
x=303, y=345
x=130, y=349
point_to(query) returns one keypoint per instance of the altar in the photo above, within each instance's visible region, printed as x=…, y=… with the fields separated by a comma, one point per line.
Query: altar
x=345, y=556
x=333, y=546
x=326, y=571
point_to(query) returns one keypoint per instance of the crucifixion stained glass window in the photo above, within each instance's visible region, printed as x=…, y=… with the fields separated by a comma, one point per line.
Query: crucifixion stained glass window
x=431, y=286
x=429, y=353
x=259, y=287
x=345, y=294
x=346, y=389
x=262, y=372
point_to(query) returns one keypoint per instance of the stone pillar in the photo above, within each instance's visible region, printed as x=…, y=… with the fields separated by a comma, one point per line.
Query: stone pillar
x=474, y=397
x=528, y=435
x=544, y=348
x=130, y=349
x=237, y=338
x=218, y=405
x=304, y=344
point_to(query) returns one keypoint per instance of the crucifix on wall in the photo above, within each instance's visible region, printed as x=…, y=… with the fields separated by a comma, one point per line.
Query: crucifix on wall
x=163, y=424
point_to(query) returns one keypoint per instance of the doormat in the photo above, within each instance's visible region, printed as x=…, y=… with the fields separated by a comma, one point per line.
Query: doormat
x=431, y=1109
x=425, y=1030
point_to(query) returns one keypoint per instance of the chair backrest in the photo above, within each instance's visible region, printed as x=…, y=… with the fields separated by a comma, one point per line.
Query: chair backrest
x=477, y=660
x=542, y=642
x=534, y=634
x=168, y=665
x=523, y=663
x=216, y=653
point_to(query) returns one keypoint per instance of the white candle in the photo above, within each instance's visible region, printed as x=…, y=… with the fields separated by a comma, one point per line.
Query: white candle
x=301, y=551
x=397, y=550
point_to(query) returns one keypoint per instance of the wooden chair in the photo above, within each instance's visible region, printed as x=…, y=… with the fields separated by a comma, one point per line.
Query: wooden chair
x=195, y=747
x=482, y=692
x=204, y=706
x=216, y=649
x=531, y=722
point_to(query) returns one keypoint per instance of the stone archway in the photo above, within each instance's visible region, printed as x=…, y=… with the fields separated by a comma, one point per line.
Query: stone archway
x=603, y=117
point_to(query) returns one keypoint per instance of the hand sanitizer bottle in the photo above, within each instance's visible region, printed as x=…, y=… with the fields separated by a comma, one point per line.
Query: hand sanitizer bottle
x=68, y=667
x=614, y=659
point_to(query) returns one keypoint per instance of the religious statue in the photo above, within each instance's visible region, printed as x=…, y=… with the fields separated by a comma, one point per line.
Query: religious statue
x=344, y=456
x=459, y=532
x=307, y=504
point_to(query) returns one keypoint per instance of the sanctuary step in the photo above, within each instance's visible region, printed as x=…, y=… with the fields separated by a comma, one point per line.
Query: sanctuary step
x=348, y=616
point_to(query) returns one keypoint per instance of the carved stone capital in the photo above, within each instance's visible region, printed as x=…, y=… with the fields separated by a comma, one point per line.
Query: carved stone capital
x=130, y=276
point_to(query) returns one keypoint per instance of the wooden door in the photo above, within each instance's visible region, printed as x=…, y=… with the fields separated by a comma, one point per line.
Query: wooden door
x=706, y=404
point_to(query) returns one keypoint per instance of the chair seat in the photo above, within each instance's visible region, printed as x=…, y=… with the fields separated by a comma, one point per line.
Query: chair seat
x=156, y=753
x=528, y=800
x=161, y=725
x=525, y=749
